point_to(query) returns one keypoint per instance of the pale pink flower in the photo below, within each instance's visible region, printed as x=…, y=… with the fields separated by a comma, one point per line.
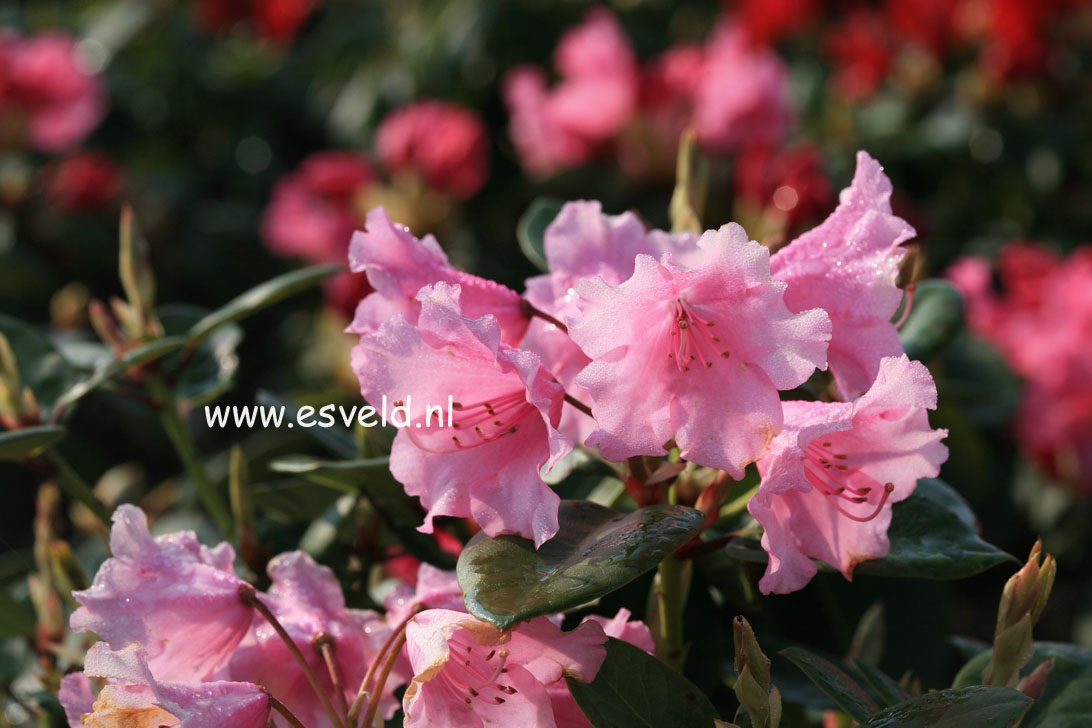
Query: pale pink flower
x=567, y=714
x=398, y=265
x=76, y=698
x=581, y=243
x=134, y=698
x=831, y=476
x=171, y=594
x=469, y=673
x=743, y=96
x=486, y=463
x=44, y=84
x=695, y=354
x=307, y=600
x=564, y=126
x=447, y=145
x=848, y=266
x=435, y=589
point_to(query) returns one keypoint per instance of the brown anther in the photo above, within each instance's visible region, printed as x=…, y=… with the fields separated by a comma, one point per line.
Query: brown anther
x=498, y=700
x=490, y=655
x=398, y=403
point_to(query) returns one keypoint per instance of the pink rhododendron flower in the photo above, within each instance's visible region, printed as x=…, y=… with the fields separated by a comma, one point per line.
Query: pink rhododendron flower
x=469, y=673
x=84, y=181
x=848, y=266
x=1041, y=321
x=435, y=589
x=581, y=243
x=562, y=127
x=76, y=698
x=133, y=698
x=743, y=97
x=307, y=600
x=567, y=714
x=177, y=598
x=447, y=145
x=486, y=463
x=398, y=265
x=44, y=84
x=695, y=354
x=831, y=476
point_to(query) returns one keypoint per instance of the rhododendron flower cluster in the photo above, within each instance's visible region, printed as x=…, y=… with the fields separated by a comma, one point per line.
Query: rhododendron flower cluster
x=47, y=95
x=732, y=93
x=644, y=343
x=426, y=149
x=1040, y=321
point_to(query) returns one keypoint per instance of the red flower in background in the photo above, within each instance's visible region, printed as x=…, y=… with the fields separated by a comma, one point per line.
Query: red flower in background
x=1041, y=321
x=792, y=180
x=767, y=21
x=447, y=145
x=929, y=24
x=45, y=91
x=276, y=20
x=81, y=182
x=860, y=49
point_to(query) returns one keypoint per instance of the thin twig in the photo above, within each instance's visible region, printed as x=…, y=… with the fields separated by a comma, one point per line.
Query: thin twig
x=579, y=405
x=365, y=684
x=381, y=681
x=530, y=311
x=250, y=598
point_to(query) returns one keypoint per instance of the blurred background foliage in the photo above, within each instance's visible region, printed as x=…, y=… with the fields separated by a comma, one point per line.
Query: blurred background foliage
x=208, y=109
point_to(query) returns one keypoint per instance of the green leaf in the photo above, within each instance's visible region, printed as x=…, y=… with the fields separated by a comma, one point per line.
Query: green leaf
x=209, y=364
x=936, y=316
x=337, y=441
x=1067, y=700
x=881, y=685
x=979, y=706
x=41, y=367
x=29, y=442
x=633, y=688
x=596, y=550
x=835, y=682
x=934, y=535
x=531, y=229
x=262, y=295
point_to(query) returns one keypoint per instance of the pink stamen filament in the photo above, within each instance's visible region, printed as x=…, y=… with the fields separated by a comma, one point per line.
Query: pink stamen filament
x=828, y=471
x=685, y=345
x=464, y=677
x=481, y=422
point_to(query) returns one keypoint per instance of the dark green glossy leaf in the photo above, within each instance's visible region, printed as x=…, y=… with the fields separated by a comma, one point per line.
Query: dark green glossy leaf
x=1067, y=700
x=531, y=229
x=262, y=295
x=934, y=535
x=879, y=683
x=936, y=316
x=29, y=441
x=835, y=682
x=41, y=366
x=596, y=550
x=337, y=441
x=979, y=706
x=208, y=366
x=303, y=464
x=633, y=689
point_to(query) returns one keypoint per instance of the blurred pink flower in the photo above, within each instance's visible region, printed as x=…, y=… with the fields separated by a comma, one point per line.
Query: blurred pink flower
x=1041, y=321
x=398, y=265
x=45, y=86
x=76, y=698
x=791, y=181
x=553, y=129
x=177, y=598
x=486, y=463
x=695, y=354
x=567, y=714
x=848, y=266
x=469, y=673
x=134, y=698
x=830, y=477
x=83, y=181
x=743, y=96
x=307, y=600
x=447, y=145
x=434, y=589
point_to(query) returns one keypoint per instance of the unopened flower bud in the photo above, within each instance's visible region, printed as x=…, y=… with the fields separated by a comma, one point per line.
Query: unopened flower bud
x=1022, y=601
x=757, y=696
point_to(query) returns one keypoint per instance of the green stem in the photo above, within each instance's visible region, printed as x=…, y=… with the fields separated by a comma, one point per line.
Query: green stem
x=71, y=482
x=670, y=583
x=179, y=436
